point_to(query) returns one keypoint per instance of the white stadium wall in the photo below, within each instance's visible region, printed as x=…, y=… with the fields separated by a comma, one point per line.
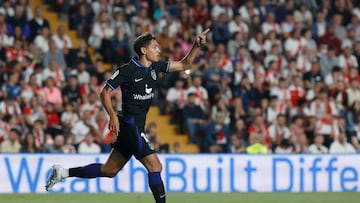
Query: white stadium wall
x=191, y=173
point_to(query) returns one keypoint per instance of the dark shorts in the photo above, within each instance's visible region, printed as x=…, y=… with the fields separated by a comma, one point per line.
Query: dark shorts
x=132, y=140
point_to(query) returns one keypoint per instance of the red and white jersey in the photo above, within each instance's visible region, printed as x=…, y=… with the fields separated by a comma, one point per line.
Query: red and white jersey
x=272, y=77
x=255, y=46
x=283, y=94
x=177, y=96
x=201, y=95
x=278, y=133
x=323, y=111
x=57, y=74
x=272, y=113
x=12, y=54
x=295, y=94
x=85, y=89
x=266, y=27
x=93, y=108
x=69, y=149
x=346, y=63
x=69, y=118
x=303, y=64
x=4, y=131
x=39, y=138
x=294, y=46
x=12, y=109
x=62, y=42
x=34, y=114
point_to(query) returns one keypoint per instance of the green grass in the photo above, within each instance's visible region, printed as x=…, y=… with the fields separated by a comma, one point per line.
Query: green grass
x=185, y=198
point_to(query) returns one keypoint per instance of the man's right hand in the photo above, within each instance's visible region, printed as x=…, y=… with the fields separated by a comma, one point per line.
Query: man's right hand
x=114, y=125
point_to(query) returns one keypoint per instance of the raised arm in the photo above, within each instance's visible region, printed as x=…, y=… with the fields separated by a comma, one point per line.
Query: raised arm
x=188, y=60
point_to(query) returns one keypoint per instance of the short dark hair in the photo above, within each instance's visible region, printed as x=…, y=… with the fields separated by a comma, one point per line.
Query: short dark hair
x=142, y=41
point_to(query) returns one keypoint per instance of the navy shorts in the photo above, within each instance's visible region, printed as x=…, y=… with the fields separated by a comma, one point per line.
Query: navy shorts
x=132, y=140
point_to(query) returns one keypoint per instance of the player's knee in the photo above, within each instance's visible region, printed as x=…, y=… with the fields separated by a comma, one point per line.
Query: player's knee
x=155, y=167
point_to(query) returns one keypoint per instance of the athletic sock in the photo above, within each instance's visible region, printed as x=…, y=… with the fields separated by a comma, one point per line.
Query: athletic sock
x=89, y=171
x=157, y=187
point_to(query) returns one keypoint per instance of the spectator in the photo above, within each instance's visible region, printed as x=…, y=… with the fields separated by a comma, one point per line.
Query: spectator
x=33, y=111
x=92, y=104
x=54, y=54
x=318, y=147
x=284, y=147
x=101, y=31
x=303, y=16
x=270, y=24
x=81, y=21
x=69, y=117
x=12, y=144
x=221, y=30
x=37, y=24
x=77, y=55
x=52, y=94
x=38, y=131
x=340, y=145
x=121, y=51
x=57, y=146
x=194, y=118
x=175, y=101
x=238, y=144
x=201, y=94
x=86, y=125
x=256, y=146
x=28, y=145
x=62, y=40
x=330, y=39
x=42, y=40
x=328, y=61
x=248, y=10
x=218, y=131
x=237, y=25
x=278, y=131
x=88, y=145
x=52, y=117
x=71, y=92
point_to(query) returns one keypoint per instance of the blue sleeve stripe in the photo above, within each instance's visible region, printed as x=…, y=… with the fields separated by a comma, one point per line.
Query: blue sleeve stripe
x=108, y=84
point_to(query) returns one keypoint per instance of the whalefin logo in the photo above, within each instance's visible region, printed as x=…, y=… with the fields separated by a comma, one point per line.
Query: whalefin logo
x=147, y=90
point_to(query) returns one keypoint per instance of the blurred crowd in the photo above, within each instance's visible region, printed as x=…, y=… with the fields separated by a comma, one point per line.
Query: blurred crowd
x=277, y=76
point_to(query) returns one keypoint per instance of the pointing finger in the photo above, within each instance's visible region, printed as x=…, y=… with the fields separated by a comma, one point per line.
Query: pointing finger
x=205, y=31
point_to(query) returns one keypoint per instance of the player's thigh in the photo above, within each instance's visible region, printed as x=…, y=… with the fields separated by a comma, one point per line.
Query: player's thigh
x=151, y=162
x=114, y=163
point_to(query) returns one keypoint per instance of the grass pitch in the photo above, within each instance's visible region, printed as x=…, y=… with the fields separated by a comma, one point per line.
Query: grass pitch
x=184, y=198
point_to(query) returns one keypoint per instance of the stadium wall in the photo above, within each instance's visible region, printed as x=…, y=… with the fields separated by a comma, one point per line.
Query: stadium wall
x=20, y=173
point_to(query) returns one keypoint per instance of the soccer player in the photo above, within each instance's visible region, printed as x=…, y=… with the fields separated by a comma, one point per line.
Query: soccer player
x=137, y=81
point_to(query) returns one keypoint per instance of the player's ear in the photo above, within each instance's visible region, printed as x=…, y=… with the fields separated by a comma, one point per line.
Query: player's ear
x=143, y=50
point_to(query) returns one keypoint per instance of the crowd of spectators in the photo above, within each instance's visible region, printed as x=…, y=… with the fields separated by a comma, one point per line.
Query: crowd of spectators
x=279, y=76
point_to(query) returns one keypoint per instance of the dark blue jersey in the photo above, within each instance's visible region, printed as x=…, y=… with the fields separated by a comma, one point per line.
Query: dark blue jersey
x=137, y=84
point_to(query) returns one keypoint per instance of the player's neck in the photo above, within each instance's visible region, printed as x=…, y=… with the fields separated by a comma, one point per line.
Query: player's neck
x=143, y=60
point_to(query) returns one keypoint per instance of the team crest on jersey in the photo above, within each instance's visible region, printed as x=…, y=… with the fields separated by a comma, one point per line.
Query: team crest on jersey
x=153, y=74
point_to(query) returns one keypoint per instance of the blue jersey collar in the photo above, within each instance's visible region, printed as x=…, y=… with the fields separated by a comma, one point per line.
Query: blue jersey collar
x=138, y=63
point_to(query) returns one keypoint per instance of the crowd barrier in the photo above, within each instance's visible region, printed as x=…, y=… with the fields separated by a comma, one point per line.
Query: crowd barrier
x=26, y=173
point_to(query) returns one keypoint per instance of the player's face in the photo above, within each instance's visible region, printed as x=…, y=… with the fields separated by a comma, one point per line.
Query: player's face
x=153, y=51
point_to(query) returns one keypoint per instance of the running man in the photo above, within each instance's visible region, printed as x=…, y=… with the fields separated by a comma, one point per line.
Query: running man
x=137, y=81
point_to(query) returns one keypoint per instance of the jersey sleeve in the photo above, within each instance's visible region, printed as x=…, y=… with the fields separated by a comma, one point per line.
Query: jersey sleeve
x=161, y=66
x=117, y=78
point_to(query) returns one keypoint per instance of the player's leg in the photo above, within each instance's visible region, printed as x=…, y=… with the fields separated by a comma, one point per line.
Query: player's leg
x=154, y=167
x=112, y=166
